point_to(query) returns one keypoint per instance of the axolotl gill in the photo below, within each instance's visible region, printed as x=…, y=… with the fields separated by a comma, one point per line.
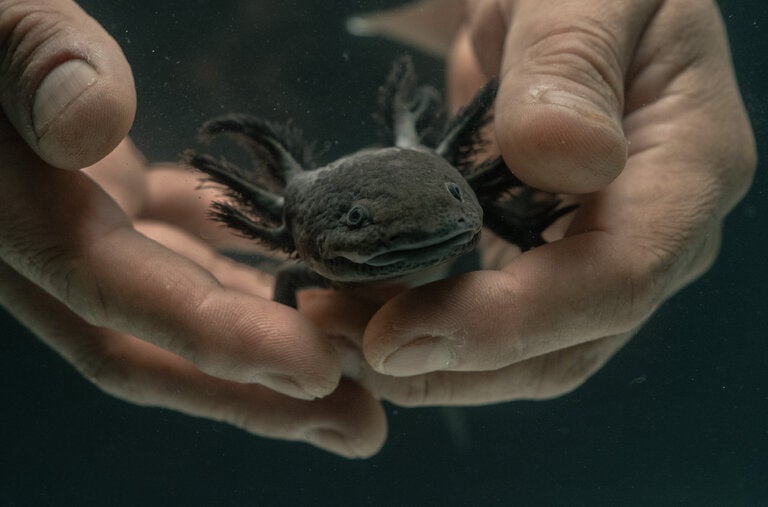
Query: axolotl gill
x=381, y=213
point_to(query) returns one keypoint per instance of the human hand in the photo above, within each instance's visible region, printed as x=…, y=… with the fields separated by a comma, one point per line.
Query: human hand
x=629, y=106
x=106, y=265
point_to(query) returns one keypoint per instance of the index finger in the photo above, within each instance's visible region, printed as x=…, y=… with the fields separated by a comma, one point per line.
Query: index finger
x=556, y=296
x=63, y=233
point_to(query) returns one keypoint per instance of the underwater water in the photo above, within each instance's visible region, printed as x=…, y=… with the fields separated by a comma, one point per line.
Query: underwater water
x=678, y=416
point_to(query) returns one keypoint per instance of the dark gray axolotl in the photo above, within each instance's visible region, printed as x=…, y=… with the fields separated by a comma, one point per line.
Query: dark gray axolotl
x=380, y=213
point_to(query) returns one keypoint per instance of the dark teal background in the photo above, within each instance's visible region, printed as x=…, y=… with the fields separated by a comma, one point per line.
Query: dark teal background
x=679, y=416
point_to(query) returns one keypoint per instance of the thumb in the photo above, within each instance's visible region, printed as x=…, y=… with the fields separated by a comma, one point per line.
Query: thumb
x=562, y=66
x=65, y=84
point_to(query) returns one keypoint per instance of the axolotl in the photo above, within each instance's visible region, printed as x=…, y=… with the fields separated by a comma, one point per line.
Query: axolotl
x=381, y=213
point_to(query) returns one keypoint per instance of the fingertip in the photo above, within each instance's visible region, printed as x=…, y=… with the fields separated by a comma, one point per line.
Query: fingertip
x=67, y=89
x=354, y=423
x=80, y=114
x=304, y=353
x=415, y=331
x=556, y=141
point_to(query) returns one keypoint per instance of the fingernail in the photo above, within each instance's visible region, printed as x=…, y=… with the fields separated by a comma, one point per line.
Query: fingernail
x=58, y=90
x=316, y=391
x=422, y=355
x=289, y=386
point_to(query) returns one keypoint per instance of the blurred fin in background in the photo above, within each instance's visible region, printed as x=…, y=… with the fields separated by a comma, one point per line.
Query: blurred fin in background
x=428, y=25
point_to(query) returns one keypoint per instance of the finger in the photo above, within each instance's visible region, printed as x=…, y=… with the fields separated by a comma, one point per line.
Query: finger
x=62, y=232
x=174, y=195
x=559, y=295
x=620, y=260
x=693, y=155
x=561, y=97
x=337, y=313
x=346, y=312
x=464, y=75
x=229, y=273
x=164, y=192
x=485, y=30
x=123, y=176
x=66, y=86
x=685, y=117
x=547, y=376
x=348, y=422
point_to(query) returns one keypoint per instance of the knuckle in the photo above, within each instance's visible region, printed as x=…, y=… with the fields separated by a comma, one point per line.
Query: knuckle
x=673, y=249
x=633, y=276
x=744, y=163
x=59, y=271
x=704, y=257
x=54, y=253
x=730, y=155
x=82, y=294
x=644, y=286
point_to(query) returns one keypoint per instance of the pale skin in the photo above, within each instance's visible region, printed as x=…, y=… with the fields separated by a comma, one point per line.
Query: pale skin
x=630, y=106
x=104, y=272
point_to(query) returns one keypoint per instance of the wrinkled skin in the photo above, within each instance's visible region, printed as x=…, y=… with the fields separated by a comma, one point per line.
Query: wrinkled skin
x=645, y=128
x=108, y=265
x=596, y=96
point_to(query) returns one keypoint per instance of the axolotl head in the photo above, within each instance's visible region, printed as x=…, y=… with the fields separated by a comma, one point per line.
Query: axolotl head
x=381, y=213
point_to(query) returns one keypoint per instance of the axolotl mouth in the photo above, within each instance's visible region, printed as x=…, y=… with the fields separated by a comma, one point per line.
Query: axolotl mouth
x=401, y=259
x=427, y=251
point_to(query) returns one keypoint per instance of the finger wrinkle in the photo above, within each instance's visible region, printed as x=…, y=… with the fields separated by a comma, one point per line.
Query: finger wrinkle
x=30, y=42
x=89, y=289
x=180, y=307
x=19, y=22
x=51, y=218
x=581, y=49
x=630, y=289
x=141, y=373
x=262, y=346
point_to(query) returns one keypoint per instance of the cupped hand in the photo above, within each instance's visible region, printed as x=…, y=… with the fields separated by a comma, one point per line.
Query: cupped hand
x=107, y=266
x=629, y=107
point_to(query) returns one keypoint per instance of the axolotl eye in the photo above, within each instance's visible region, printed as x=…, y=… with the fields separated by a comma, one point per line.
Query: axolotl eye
x=356, y=216
x=454, y=190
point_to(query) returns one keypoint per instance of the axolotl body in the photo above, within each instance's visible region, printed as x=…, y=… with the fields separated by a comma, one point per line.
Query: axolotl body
x=380, y=213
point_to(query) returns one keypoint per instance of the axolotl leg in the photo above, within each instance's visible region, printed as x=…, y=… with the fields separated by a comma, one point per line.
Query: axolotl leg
x=517, y=213
x=294, y=277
